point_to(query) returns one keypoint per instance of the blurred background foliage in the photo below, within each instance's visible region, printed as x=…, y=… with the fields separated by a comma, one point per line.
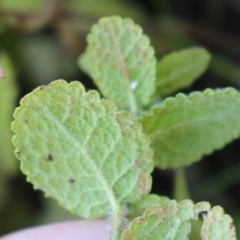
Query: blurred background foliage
x=40, y=41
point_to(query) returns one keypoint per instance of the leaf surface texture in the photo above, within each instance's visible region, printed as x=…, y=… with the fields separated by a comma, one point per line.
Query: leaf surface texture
x=185, y=128
x=121, y=62
x=179, y=69
x=172, y=221
x=81, y=150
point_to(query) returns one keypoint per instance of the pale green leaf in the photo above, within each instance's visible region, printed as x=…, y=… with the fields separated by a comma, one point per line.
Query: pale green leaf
x=122, y=62
x=163, y=222
x=185, y=128
x=179, y=69
x=138, y=208
x=217, y=225
x=81, y=150
x=172, y=221
x=8, y=93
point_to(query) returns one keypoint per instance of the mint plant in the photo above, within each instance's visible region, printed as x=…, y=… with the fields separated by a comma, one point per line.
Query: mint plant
x=95, y=155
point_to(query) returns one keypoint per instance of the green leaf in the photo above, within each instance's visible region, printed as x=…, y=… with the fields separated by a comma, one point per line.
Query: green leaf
x=81, y=150
x=8, y=93
x=179, y=69
x=163, y=222
x=138, y=208
x=217, y=225
x=185, y=128
x=172, y=221
x=122, y=62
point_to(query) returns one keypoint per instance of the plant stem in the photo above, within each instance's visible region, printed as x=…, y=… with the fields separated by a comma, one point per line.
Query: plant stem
x=180, y=186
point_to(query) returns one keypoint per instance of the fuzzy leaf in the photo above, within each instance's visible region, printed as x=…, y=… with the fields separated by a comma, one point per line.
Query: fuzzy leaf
x=138, y=208
x=172, y=221
x=163, y=222
x=185, y=128
x=122, y=62
x=179, y=69
x=81, y=150
x=8, y=93
x=217, y=225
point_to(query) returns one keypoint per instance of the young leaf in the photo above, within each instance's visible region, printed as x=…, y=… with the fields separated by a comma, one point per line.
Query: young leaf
x=185, y=128
x=162, y=222
x=217, y=225
x=171, y=221
x=138, y=208
x=179, y=69
x=80, y=150
x=122, y=62
x=7, y=99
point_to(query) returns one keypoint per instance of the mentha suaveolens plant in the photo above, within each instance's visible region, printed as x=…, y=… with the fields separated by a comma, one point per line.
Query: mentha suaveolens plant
x=95, y=156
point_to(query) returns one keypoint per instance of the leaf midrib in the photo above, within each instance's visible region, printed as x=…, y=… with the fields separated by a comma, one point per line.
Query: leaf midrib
x=97, y=171
x=219, y=116
x=123, y=69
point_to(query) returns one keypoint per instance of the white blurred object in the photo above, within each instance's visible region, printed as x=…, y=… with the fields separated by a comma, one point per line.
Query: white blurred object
x=1, y=73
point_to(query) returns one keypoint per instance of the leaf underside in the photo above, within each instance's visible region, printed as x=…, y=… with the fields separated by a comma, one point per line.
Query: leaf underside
x=81, y=150
x=121, y=62
x=180, y=69
x=185, y=128
x=172, y=221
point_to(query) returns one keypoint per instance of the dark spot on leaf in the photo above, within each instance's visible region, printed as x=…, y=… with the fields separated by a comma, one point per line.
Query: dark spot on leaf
x=71, y=180
x=18, y=151
x=50, y=157
x=202, y=214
